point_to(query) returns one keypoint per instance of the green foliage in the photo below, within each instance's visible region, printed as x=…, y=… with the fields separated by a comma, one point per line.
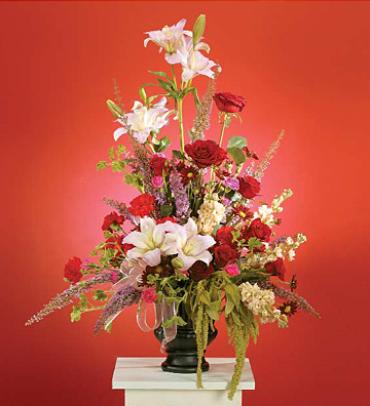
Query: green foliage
x=235, y=147
x=100, y=295
x=253, y=242
x=179, y=321
x=115, y=161
x=166, y=210
x=135, y=179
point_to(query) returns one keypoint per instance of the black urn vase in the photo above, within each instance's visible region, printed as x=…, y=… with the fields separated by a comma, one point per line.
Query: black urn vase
x=182, y=350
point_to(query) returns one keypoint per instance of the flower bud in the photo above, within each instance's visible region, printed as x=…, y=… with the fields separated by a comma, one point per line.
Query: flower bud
x=177, y=263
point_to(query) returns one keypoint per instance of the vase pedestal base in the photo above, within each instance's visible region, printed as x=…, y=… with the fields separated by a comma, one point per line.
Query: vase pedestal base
x=145, y=383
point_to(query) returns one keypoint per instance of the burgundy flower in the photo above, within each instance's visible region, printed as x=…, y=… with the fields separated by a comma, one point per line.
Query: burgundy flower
x=72, y=270
x=229, y=103
x=199, y=270
x=224, y=254
x=142, y=205
x=187, y=173
x=167, y=218
x=250, y=154
x=257, y=229
x=276, y=268
x=112, y=219
x=224, y=235
x=249, y=187
x=157, y=163
x=242, y=211
x=205, y=153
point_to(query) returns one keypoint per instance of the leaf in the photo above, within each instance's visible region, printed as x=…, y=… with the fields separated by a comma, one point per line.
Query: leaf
x=111, y=153
x=162, y=144
x=114, y=109
x=237, y=154
x=160, y=73
x=179, y=321
x=237, y=142
x=229, y=307
x=232, y=293
x=75, y=314
x=101, y=165
x=205, y=298
x=213, y=314
x=198, y=28
x=100, y=295
x=166, y=210
x=118, y=166
x=178, y=154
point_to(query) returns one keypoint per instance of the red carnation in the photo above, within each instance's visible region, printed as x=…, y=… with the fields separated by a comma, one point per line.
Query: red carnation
x=257, y=229
x=224, y=254
x=224, y=235
x=199, y=270
x=167, y=218
x=114, y=242
x=112, y=219
x=157, y=163
x=229, y=103
x=142, y=205
x=249, y=187
x=205, y=153
x=276, y=268
x=72, y=270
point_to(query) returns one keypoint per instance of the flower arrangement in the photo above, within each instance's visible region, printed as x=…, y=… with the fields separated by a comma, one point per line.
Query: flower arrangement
x=197, y=235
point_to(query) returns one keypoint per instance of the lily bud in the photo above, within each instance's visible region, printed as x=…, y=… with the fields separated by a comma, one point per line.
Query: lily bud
x=177, y=263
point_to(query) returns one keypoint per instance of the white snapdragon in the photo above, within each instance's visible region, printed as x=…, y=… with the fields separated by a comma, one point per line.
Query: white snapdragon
x=210, y=214
x=261, y=302
x=141, y=121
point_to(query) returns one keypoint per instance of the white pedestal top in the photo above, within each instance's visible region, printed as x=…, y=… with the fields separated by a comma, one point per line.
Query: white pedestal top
x=146, y=374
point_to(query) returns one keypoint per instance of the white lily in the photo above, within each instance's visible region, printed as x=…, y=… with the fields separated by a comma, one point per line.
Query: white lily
x=143, y=120
x=193, y=62
x=150, y=242
x=189, y=245
x=170, y=39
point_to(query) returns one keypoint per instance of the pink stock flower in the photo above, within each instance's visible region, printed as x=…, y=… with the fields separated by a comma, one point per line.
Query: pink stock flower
x=232, y=269
x=149, y=295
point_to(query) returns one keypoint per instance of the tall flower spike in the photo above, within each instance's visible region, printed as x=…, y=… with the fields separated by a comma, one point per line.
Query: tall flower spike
x=64, y=298
x=181, y=197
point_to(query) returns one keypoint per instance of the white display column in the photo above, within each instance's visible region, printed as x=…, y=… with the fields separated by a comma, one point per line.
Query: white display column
x=145, y=383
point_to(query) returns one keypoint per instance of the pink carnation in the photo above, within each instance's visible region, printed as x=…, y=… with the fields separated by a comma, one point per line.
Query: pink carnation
x=149, y=295
x=157, y=181
x=232, y=269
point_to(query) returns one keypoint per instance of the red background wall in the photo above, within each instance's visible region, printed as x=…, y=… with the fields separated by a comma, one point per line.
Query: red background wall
x=302, y=66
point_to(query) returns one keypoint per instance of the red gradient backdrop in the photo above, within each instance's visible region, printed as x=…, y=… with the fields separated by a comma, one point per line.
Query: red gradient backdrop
x=302, y=66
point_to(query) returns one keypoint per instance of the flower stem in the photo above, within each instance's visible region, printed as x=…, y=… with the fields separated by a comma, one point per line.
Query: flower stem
x=224, y=122
x=181, y=124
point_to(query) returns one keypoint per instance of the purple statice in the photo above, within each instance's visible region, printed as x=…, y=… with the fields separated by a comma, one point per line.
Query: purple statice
x=232, y=183
x=74, y=291
x=179, y=193
x=122, y=298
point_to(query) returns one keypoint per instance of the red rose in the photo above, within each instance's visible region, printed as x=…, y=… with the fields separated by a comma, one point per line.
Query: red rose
x=199, y=270
x=167, y=218
x=205, y=153
x=257, y=229
x=249, y=187
x=224, y=236
x=110, y=219
x=225, y=254
x=142, y=205
x=72, y=270
x=229, y=103
x=157, y=163
x=276, y=268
